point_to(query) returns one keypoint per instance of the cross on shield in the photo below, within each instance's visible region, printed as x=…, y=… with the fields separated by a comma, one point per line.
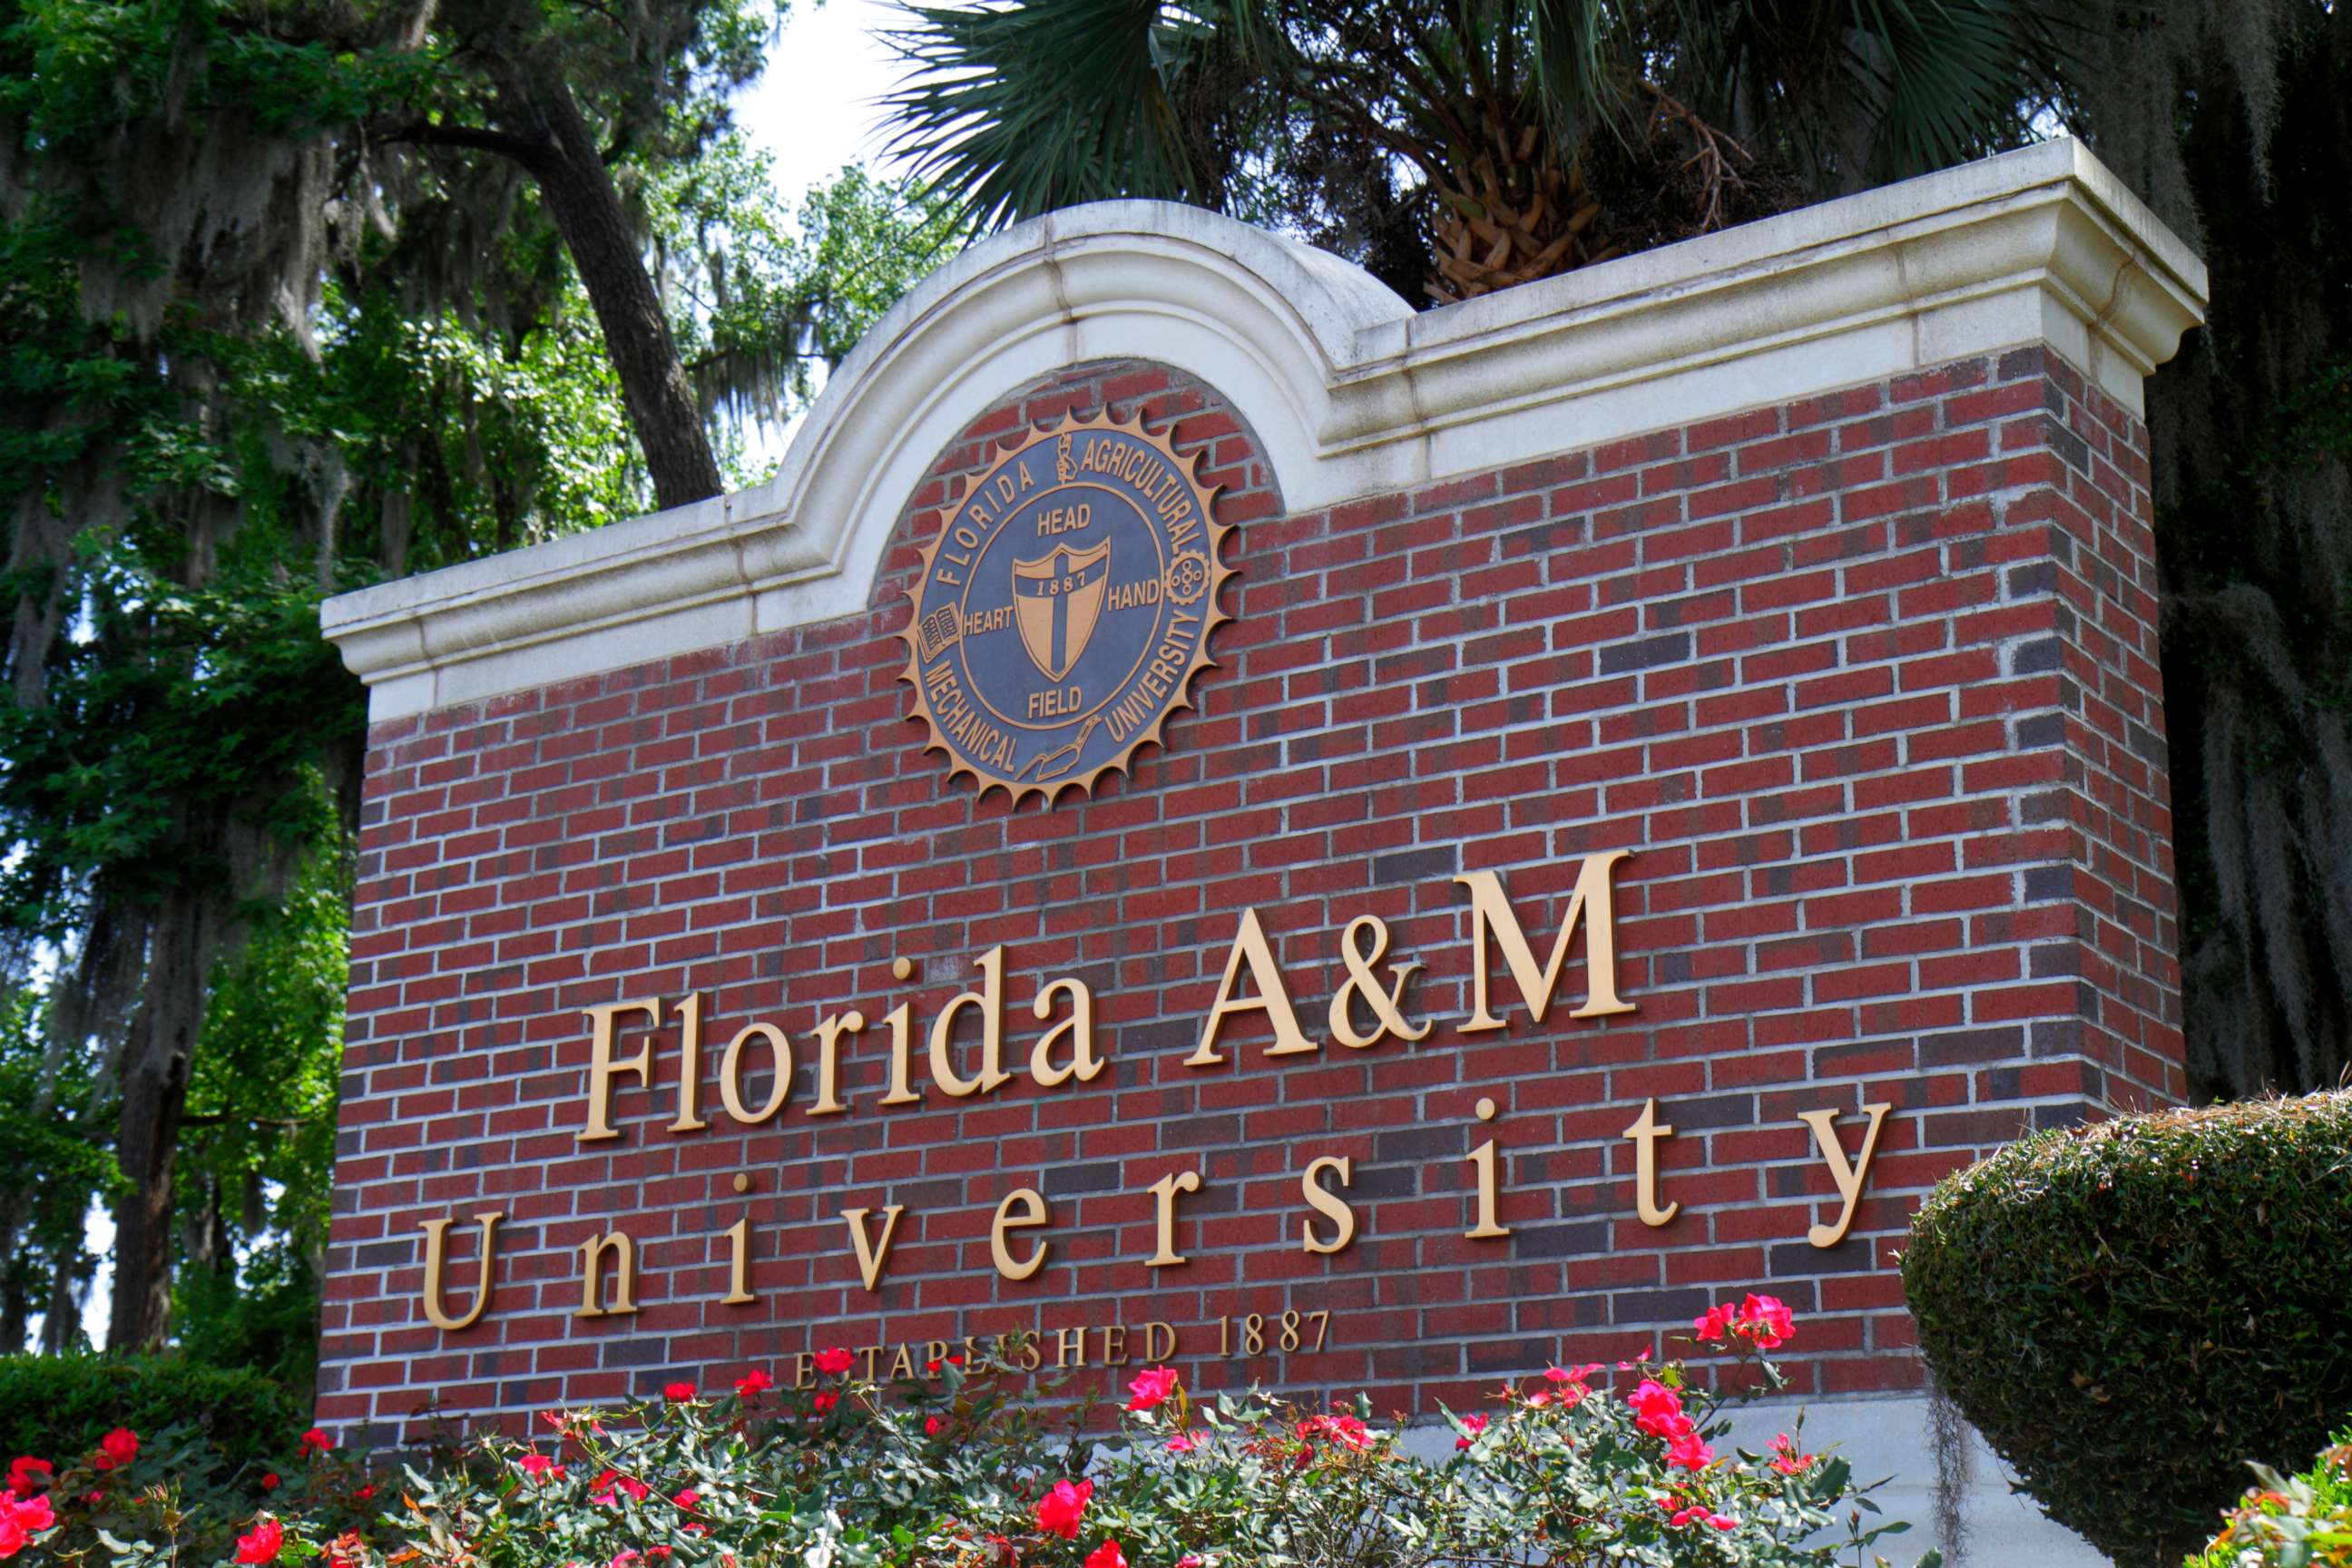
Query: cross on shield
x=1056, y=601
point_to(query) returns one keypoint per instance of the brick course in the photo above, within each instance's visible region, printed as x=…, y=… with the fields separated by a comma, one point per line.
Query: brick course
x=1867, y=682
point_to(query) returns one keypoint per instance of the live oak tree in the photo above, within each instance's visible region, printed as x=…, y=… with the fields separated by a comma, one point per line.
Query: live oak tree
x=294, y=297
x=1458, y=148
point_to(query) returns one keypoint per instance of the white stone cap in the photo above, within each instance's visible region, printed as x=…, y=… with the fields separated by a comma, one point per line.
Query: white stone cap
x=1350, y=391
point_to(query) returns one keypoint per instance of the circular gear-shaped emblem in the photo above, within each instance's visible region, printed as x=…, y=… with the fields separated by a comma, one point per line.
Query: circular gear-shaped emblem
x=1065, y=606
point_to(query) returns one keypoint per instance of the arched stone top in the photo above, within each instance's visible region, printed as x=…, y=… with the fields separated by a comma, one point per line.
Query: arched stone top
x=1352, y=391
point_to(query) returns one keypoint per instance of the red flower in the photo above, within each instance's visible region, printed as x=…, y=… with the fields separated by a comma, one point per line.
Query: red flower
x=364, y=1493
x=1766, y=1320
x=1344, y=1430
x=826, y=1398
x=688, y=1499
x=316, y=1441
x=1184, y=1442
x=27, y=1475
x=269, y=1480
x=1472, y=1427
x=1151, y=1387
x=1106, y=1556
x=20, y=1521
x=262, y=1546
x=1786, y=1461
x=679, y=1393
x=116, y=1449
x=539, y=1467
x=1715, y=1325
x=1658, y=1410
x=1689, y=1452
x=932, y=1425
x=1059, y=1510
x=1682, y=1516
x=757, y=1384
x=833, y=1363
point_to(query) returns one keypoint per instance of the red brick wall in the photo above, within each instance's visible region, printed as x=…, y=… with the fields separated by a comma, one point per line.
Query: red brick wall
x=1868, y=683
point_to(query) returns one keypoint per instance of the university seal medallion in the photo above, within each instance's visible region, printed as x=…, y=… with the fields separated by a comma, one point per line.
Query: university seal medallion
x=1065, y=606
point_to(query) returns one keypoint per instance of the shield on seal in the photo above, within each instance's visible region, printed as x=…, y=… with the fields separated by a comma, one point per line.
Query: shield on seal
x=1056, y=601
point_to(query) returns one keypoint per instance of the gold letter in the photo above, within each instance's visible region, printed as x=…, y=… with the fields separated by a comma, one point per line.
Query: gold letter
x=1079, y=1025
x=1272, y=998
x=990, y=1000
x=872, y=1256
x=731, y=1069
x=1489, y=909
x=1033, y=1213
x=1161, y=1334
x=828, y=1061
x=690, y=1066
x=1385, y=1001
x=592, y=1282
x=603, y=1069
x=437, y=1232
x=1482, y=1159
x=739, y=1263
x=1646, y=1132
x=902, y=1092
x=1165, y=1189
x=1330, y=1205
x=1849, y=1178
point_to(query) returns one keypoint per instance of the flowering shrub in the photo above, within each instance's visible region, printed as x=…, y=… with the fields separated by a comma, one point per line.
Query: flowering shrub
x=2127, y=1310
x=2290, y=1521
x=1577, y=1466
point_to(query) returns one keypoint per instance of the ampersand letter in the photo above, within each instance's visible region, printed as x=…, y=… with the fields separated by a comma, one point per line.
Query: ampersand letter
x=1383, y=1000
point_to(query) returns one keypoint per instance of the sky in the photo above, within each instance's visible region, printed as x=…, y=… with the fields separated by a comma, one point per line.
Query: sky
x=814, y=110
x=815, y=107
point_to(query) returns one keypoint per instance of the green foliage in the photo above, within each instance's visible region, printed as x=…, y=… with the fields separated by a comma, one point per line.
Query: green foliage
x=780, y=296
x=1379, y=117
x=282, y=314
x=2290, y=1521
x=957, y=1472
x=59, y=1407
x=2127, y=1310
x=2251, y=434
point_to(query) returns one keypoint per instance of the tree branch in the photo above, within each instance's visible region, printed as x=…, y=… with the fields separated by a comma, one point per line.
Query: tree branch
x=531, y=154
x=215, y=1118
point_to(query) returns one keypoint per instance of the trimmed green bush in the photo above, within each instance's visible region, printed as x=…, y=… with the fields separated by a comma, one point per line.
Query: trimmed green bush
x=2127, y=1311
x=59, y=1406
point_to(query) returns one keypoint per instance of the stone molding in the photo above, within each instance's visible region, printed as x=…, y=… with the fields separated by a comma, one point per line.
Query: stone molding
x=1351, y=392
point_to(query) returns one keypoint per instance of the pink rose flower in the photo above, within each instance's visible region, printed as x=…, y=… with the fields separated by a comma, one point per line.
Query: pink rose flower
x=1151, y=1387
x=262, y=1546
x=1059, y=1510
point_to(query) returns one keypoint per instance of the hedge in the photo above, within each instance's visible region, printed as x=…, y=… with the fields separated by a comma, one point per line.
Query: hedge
x=2127, y=1311
x=61, y=1406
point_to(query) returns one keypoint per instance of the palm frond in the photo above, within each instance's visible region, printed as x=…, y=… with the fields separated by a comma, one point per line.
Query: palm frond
x=1949, y=75
x=1576, y=65
x=1016, y=107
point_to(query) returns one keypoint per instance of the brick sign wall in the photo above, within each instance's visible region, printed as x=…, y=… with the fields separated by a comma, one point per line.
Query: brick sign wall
x=1865, y=684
